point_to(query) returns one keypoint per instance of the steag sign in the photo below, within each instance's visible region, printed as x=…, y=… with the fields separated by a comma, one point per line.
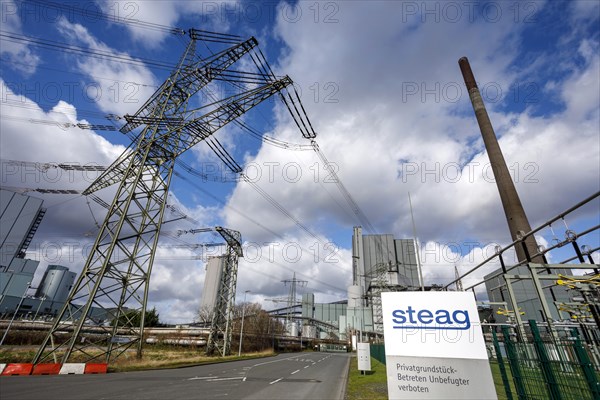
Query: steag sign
x=434, y=347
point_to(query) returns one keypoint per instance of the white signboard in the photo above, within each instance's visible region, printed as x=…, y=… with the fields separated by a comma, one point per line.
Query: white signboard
x=434, y=347
x=364, y=356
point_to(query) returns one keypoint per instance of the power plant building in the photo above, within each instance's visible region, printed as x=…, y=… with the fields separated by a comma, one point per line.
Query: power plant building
x=379, y=263
x=212, y=282
x=56, y=283
x=20, y=217
x=377, y=257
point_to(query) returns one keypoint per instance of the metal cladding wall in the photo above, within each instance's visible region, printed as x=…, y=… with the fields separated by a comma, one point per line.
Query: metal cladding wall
x=378, y=249
x=14, y=284
x=18, y=217
x=329, y=312
x=212, y=282
x=56, y=283
x=407, y=261
x=15, y=279
x=399, y=255
x=308, y=305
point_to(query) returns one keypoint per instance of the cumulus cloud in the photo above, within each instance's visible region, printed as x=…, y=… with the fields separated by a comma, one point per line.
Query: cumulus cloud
x=382, y=87
x=18, y=53
x=121, y=86
x=148, y=22
x=34, y=142
x=384, y=91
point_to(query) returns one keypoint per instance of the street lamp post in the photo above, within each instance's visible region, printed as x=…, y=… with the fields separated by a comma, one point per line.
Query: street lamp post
x=42, y=300
x=15, y=314
x=242, y=328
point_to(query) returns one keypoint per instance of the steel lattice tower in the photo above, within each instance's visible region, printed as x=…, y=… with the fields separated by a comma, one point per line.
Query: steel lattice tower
x=116, y=274
x=219, y=340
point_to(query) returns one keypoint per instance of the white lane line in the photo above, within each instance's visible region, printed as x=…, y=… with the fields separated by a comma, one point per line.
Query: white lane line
x=202, y=377
x=274, y=361
x=296, y=371
x=307, y=366
x=244, y=380
x=225, y=379
x=275, y=381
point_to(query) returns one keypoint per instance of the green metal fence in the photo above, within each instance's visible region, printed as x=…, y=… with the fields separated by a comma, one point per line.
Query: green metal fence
x=378, y=352
x=546, y=364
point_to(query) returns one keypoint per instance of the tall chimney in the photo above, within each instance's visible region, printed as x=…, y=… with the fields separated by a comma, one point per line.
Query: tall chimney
x=513, y=209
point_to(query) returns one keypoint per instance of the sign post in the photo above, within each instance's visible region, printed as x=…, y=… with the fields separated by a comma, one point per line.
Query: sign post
x=434, y=347
x=364, y=357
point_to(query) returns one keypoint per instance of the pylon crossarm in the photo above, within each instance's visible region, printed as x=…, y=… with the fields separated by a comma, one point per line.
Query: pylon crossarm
x=189, y=81
x=233, y=239
x=203, y=126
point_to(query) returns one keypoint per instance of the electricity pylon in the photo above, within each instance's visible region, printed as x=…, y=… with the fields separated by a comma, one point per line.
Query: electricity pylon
x=97, y=320
x=219, y=339
x=292, y=300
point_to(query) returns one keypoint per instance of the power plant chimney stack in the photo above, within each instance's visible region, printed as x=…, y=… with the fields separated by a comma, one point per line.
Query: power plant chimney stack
x=513, y=209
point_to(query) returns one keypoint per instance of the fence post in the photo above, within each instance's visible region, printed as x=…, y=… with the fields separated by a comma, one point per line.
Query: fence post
x=545, y=363
x=586, y=365
x=501, y=366
x=513, y=361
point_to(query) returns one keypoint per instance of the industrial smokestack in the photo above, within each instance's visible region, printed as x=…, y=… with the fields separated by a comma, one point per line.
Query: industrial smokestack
x=513, y=209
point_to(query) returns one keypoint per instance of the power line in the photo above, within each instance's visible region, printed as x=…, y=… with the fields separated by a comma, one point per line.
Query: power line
x=99, y=54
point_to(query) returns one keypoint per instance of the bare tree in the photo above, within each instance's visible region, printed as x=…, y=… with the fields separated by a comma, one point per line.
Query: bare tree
x=260, y=328
x=205, y=315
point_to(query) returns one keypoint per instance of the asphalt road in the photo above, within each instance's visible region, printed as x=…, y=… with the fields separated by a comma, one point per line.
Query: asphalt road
x=286, y=376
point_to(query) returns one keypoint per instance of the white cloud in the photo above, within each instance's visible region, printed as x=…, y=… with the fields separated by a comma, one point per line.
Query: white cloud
x=119, y=88
x=585, y=10
x=383, y=89
x=393, y=108
x=20, y=56
x=42, y=140
x=148, y=22
x=24, y=121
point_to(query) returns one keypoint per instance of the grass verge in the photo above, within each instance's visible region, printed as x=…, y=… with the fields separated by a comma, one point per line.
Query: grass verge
x=156, y=357
x=372, y=386
x=175, y=358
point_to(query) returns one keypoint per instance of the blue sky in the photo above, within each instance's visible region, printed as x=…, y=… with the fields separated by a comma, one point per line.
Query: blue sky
x=381, y=85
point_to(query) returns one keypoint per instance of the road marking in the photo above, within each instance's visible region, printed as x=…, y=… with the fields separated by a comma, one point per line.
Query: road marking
x=295, y=372
x=275, y=381
x=244, y=380
x=202, y=377
x=226, y=379
x=307, y=366
x=293, y=358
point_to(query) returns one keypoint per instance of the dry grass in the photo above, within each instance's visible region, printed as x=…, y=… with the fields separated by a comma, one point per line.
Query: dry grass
x=157, y=358
x=154, y=357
